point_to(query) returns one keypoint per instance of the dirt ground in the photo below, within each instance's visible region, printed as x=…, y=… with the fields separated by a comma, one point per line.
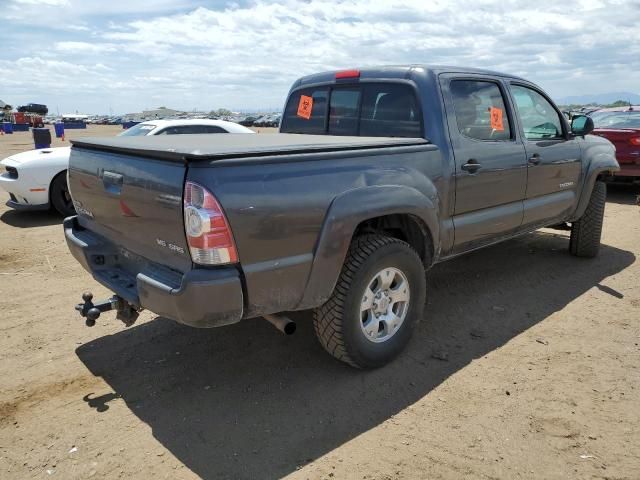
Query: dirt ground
x=526, y=365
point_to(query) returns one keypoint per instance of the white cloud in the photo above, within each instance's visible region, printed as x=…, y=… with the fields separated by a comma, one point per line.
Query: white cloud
x=77, y=28
x=49, y=3
x=85, y=47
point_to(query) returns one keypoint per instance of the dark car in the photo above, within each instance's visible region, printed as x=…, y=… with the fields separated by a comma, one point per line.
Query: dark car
x=263, y=121
x=272, y=121
x=34, y=108
x=247, y=121
x=377, y=175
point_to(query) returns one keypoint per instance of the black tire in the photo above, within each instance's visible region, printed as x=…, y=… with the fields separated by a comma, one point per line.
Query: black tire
x=338, y=322
x=60, y=197
x=587, y=230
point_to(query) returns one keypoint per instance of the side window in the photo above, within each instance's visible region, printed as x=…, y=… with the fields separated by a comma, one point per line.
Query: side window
x=212, y=129
x=343, y=111
x=173, y=131
x=480, y=110
x=538, y=117
x=389, y=110
x=188, y=129
x=294, y=123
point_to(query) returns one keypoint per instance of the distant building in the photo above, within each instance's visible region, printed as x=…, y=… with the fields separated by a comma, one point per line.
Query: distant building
x=159, y=112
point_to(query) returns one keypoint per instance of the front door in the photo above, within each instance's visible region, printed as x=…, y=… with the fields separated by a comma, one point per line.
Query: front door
x=491, y=166
x=553, y=158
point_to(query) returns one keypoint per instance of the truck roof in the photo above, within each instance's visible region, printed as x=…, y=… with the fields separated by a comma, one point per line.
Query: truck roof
x=213, y=147
x=400, y=71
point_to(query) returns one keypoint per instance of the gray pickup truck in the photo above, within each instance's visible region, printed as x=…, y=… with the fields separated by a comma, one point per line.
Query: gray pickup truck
x=376, y=175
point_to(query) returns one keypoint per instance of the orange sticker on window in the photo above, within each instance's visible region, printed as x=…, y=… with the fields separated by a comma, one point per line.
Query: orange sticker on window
x=305, y=106
x=496, y=119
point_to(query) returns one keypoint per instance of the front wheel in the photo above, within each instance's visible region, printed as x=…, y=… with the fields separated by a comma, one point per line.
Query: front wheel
x=587, y=230
x=60, y=197
x=379, y=297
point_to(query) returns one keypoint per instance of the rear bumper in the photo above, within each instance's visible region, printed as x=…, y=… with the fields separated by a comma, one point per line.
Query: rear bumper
x=201, y=298
x=628, y=170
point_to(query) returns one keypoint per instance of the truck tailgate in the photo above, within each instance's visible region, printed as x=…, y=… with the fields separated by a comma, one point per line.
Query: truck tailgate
x=134, y=202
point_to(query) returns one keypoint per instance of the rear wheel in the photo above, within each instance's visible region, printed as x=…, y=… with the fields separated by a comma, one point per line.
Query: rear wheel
x=586, y=232
x=379, y=296
x=60, y=197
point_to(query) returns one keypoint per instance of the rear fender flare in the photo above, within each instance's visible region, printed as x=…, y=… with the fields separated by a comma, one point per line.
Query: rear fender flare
x=346, y=212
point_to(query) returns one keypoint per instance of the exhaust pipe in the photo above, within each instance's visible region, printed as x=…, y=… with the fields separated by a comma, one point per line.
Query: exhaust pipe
x=284, y=324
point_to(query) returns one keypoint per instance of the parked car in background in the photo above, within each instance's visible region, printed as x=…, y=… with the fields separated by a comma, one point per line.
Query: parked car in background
x=621, y=126
x=271, y=120
x=34, y=108
x=275, y=121
x=325, y=217
x=259, y=122
x=36, y=179
x=247, y=121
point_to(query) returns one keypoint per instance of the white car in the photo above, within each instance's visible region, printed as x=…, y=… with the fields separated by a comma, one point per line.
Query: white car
x=37, y=180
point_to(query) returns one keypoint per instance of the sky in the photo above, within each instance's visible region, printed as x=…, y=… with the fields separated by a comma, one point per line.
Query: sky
x=123, y=56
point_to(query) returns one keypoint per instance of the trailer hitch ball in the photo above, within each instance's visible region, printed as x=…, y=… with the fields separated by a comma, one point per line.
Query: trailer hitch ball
x=91, y=311
x=92, y=316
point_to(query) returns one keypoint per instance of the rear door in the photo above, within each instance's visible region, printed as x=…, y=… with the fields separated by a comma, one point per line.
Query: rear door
x=553, y=157
x=490, y=170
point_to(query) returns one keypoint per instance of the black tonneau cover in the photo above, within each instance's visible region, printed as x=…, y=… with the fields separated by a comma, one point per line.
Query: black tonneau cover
x=185, y=148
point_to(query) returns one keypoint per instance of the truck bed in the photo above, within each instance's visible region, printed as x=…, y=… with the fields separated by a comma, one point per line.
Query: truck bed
x=193, y=148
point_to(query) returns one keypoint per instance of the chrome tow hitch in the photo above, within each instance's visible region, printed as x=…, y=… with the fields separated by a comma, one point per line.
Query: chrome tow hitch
x=91, y=311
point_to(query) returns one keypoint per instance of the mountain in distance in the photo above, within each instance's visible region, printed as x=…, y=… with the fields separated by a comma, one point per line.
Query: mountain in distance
x=600, y=98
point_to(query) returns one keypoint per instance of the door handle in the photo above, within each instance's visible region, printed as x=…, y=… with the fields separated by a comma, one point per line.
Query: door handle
x=112, y=182
x=472, y=166
x=535, y=159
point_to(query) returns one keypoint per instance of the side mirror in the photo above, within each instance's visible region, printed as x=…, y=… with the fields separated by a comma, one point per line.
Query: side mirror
x=581, y=125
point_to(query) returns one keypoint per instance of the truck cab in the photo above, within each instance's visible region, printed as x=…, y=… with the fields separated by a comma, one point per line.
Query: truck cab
x=510, y=160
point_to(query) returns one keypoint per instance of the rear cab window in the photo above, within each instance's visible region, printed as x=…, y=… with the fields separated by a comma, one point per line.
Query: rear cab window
x=367, y=109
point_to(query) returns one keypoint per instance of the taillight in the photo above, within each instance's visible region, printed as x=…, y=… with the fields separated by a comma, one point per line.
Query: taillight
x=208, y=233
x=634, y=141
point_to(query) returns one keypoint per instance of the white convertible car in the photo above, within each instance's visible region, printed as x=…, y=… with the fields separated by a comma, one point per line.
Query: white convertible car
x=37, y=180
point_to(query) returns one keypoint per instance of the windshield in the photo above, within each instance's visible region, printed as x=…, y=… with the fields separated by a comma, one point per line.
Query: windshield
x=629, y=119
x=139, y=130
